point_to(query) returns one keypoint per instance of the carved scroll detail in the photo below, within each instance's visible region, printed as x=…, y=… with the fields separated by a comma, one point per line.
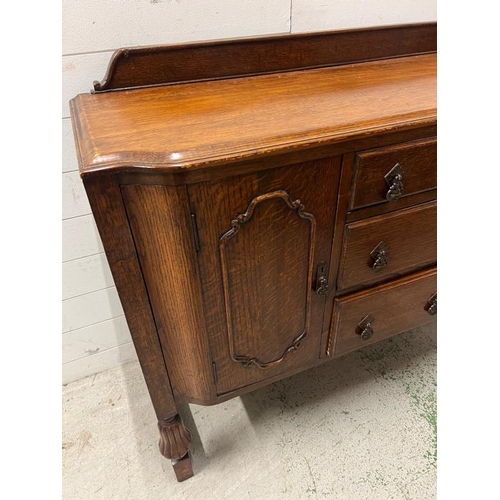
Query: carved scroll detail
x=175, y=439
x=236, y=224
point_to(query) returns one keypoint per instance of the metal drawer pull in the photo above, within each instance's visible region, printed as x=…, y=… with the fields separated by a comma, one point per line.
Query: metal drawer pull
x=432, y=308
x=365, y=327
x=322, y=288
x=394, y=179
x=379, y=254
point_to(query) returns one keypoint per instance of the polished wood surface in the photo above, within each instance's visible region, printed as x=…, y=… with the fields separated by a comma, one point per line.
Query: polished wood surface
x=162, y=65
x=257, y=293
x=175, y=439
x=205, y=124
x=160, y=221
x=183, y=468
x=336, y=248
x=240, y=215
x=385, y=208
x=396, y=307
x=111, y=219
x=417, y=159
x=411, y=239
x=255, y=273
x=244, y=165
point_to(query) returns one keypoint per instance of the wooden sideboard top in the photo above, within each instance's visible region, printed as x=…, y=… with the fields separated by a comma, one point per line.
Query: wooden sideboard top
x=204, y=124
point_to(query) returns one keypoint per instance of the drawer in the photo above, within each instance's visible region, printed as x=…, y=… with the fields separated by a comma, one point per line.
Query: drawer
x=366, y=317
x=388, y=245
x=375, y=169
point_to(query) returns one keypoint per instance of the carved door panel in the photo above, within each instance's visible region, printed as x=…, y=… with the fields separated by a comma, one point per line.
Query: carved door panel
x=261, y=237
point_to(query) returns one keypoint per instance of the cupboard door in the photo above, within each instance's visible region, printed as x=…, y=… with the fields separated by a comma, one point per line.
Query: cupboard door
x=261, y=238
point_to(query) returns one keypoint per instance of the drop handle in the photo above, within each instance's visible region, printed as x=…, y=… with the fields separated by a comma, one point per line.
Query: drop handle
x=365, y=328
x=432, y=304
x=394, y=179
x=379, y=255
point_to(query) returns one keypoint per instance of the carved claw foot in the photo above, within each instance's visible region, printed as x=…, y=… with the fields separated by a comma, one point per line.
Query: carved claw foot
x=175, y=441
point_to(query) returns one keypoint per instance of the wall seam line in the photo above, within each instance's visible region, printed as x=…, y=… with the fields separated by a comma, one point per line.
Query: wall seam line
x=97, y=353
x=83, y=256
x=87, y=293
x=93, y=324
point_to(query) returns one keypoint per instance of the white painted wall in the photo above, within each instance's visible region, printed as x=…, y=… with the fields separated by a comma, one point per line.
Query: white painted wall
x=95, y=334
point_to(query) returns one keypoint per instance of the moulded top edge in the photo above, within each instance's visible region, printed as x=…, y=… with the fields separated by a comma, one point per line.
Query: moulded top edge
x=202, y=124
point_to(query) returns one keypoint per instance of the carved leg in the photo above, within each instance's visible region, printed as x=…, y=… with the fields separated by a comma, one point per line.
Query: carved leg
x=175, y=441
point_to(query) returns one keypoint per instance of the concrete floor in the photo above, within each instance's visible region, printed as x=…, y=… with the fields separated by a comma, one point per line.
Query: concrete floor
x=361, y=427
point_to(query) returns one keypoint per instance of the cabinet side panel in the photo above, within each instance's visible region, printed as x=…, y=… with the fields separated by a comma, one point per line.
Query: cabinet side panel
x=107, y=206
x=160, y=221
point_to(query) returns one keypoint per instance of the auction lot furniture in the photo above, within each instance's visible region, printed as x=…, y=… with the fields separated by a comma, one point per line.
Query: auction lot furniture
x=265, y=204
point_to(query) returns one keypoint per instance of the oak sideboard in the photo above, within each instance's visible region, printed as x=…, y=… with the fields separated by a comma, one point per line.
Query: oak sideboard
x=265, y=204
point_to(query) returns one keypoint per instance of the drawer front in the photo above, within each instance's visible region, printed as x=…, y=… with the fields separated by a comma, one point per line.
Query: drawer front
x=375, y=170
x=388, y=245
x=366, y=317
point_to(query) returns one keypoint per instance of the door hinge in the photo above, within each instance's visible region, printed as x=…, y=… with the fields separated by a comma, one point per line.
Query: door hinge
x=194, y=227
x=214, y=372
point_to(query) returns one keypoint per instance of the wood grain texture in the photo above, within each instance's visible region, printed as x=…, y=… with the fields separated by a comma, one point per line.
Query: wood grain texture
x=385, y=208
x=417, y=159
x=243, y=165
x=76, y=75
x=411, y=238
x=205, y=124
x=396, y=307
x=228, y=193
x=344, y=192
x=183, y=468
x=175, y=439
x=162, y=65
x=160, y=221
x=111, y=219
x=269, y=266
x=241, y=248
